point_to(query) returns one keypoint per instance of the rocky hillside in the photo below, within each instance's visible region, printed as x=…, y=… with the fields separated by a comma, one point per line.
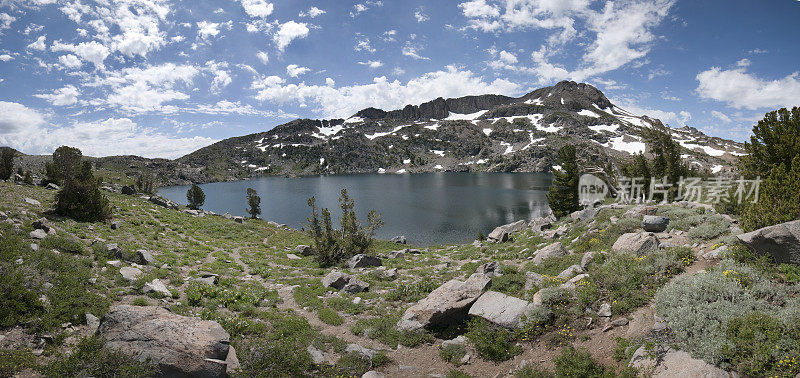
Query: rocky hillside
x=474, y=133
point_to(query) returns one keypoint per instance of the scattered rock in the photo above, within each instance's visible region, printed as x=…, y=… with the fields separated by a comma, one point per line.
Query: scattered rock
x=570, y=272
x=292, y=256
x=208, y=278
x=114, y=250
x=145, y=257
x=92, y=322
x=114, y=263
x=156, y=286
x=128, y=190
x=399, y=239
x=654, y=223
x=639, y=243
x=619, y=322
x=716, y=254
x=514, y=227
x=533, y=279
x=781, y=241
x=362, y=261
x=373, y=374
x=179, y=345
x=390, y=273
x=52, y=186
x=498, y=235
x=554, y=234
x=553, y=250
x=500, y=309
x=42, y=224
x=304, y=250
x=447, y=303
x=355, y=286
x=604, y=311
x=238, y=219
x=130, y=273
x=659, y=324
x=38, y=234
x=164, y=202
x=587, y=258
x=460, y=340
x=573, y=282
x=336, y=280
x=355, y=348
x=585, y=214
x=543, y=223
x=395, y=254
x=116, y=225
x=673, y=363
x=31, y=201
x=316, y=355
x=490, y=269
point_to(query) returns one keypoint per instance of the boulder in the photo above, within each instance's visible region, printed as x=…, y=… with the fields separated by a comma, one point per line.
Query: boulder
x=533, y=279
x=178, y=345
x=639, y=243
x=373, y=374
x=316, y=355
x=304, y=250
x=92, y=322
x=501, y=309
x=490, y=269
x=781, y=241
x=355, y=286
x=460, y=340
x=587, y=259
x=396, y=254
x=42, y=224
x=554, y=234
x=128, y=190
x=399, y=239
x=116, y=225
x=336, y=280
x=673, y=363
x=207, y=278
x=164, y=202
x=31, y=201
x=114, y=250
x=38, y=234
x=570, y=272
x=366, y=352
x=543, y=223
x=292, y=256
x=130, y=273
x=498, y=235
x=52, y=186
x=362, y=261
x=585, y=214
x=447, y=303
x=604, y=311
x=553, y=250
x=145, y=257
x=156, y=286
x=573, y=282
x=238, y=219
x=514, y=227
x=654, y=223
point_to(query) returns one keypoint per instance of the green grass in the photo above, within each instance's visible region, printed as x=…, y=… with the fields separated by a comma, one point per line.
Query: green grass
x=329, y=316
x=383, y=329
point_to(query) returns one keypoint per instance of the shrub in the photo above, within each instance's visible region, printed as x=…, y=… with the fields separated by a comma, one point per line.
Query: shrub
x=328, y=316
x=529, y=371
x=578, y=363
x=354, y=364
x=15, y=360
x=713, y=227
x=453, y=353
x=64, y=244
x=512, y=282
x=383, y=328
x=411, y=292
x=279, y=352
x=457, y=374
x=140, y=302
x=90, y=359
x=145, y=183
x=760, y=345
x=66, y=160
x=332, y=246
x=492, y=342
x=778, y=200
x=195, y=197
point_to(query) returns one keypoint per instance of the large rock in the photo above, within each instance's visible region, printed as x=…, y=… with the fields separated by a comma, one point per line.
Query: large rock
x=781, y=241
x=304, y=250
x=399, y=239
x=533, y=279
x=355, y=286
x=145, y=257
x=638, y=243
x=128, y=190
x=181, y=346
x=31, y=201
x=448, y=303
x=336, y=280
x=362, y=261
x=514, y=227
x=164, y=202
x=587, y=259
x=585, y=214
x=570, y=272
x=673, y=363
x=554, y=234
x=156, y=286
x=491, y=269
x=42, y=224
x=501, y=309
x=553, y=250
x=498, y=235
x=654, y=223
x=38, y=234
x=540, y=224
x=130, y=273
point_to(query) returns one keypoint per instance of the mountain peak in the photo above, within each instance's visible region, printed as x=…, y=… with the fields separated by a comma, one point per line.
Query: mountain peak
x=574, y=96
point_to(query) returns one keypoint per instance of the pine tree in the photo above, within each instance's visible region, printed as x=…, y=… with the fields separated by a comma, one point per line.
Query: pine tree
x=563, y=195
x=80, y=197
x=144, y=183
x=66, y=160
x=195, y=197
x=778, y=200
x=254, y=201
x=6, y=163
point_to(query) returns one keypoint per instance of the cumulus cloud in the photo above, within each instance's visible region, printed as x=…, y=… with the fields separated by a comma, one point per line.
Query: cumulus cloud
x=680, y=118
x=289, y=31
x=740, y=89
x=148, y=89
x=263, y=57
x=70, y=61
x=344, y=101
x=257, y=8
x=6, y=58
x=365, y=6
x=206, y=30
x=67, y=95
x=420, y=16
x=363, y=44
x=312, y=12
x=412, y=50
x=372, y=63
x=93, y=51
x=5, y=21
x=39, y=44
x=15, y=117
x=294, y=70
x=721, y=116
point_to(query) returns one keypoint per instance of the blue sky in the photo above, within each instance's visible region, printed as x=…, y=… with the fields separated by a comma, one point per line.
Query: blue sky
x=161, y=78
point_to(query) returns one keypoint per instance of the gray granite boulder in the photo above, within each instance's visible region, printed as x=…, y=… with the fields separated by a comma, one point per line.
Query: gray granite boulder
x=500, y=309
x=781, y=241
x=553, y=250
x=654, y=223
x=638, y=243
x=446, y=304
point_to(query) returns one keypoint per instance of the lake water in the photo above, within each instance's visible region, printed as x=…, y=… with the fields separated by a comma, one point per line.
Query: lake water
x=428, y=208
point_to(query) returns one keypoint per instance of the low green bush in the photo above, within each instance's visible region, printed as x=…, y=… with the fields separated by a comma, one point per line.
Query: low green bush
x=512, y=282
x=411, y=292
x=90, y=359
x=384, y=328
x=713, y=227
x=331, y=317
x=578, y=363
x=761, y=345
x=453, y=353
x=278, y=351
x=15, y=360
x=64, y=244
x=492, y=342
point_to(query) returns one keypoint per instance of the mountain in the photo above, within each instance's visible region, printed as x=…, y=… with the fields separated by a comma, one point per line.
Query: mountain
x=474, y=133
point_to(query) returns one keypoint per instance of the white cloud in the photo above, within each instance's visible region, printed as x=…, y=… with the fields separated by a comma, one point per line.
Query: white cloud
x=67, y=95
x=721, y=116
x=294, y=70
x=372, y=63
x=420, y=16
x=92, y=51
x=221, y=77
x=224, y=107
x=388, y=36
x=289, y=31
x=206, y=29
x=740, y=89
x=667, y=117
x=329, y=82
x=344, y=101
x=16, y=117
x=365, y=6
x=508, y=57
x=363, y=44
x=312, y=12
x=263, y=57
x=257, y=8
x=413, y=51
x=479, y=9
x=149, y=89
x=6, y=58
x=39, y=44
x=70, y=61
x=743, y=63
x=5, y=21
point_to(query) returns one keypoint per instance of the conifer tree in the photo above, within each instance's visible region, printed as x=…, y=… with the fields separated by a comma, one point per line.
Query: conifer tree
x=66, y=160
x=80, y=197
x=254, y=201
x=6, y=163
x=563, y=194
x=195, y=197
